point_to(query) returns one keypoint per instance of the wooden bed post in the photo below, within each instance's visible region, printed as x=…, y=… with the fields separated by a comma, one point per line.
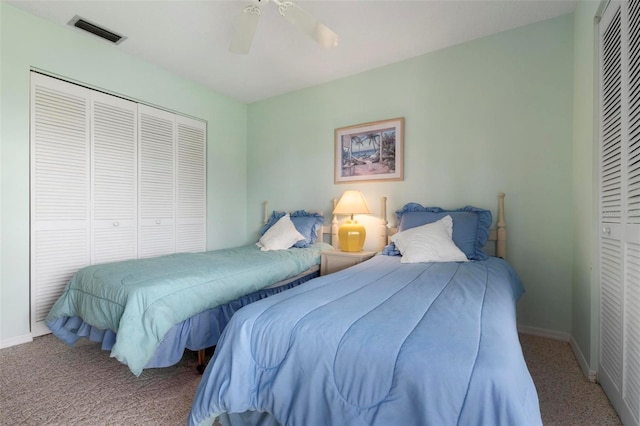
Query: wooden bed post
x=335, y=241
x=266, y=213
x=501, y=243
x=384, y=232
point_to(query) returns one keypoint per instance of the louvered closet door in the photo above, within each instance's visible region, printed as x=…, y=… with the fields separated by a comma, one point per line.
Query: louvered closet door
x=190, y=185
x=631, y=334
x=114, y=178
x=156, y=191
x=59, y=191
x=611, y=202
x=619, y=370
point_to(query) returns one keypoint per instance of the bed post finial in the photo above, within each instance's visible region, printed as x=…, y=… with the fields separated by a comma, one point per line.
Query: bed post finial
x=383, y=218
x=501, y=243
x=266, y=214
x=335, y=241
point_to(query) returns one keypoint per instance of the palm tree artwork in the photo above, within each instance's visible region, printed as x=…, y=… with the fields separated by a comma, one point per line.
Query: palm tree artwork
x=370, y=151
x=378, y=157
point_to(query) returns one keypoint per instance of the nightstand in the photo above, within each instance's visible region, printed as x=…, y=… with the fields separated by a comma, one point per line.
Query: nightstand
x=337, y=260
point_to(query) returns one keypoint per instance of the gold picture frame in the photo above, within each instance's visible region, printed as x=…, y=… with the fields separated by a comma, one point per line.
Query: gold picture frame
x=370, y=152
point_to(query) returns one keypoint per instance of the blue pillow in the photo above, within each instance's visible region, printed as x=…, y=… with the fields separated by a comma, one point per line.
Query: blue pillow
x=306, y=223
x=470, y=225
x=391, y=250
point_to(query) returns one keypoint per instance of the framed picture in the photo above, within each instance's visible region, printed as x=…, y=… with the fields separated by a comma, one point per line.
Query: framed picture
x=370, y=152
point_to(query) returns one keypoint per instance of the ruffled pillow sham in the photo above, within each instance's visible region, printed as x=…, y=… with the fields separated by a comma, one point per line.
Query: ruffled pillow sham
x=470, y=225
x=307, y=223
x=429, y=243
x=281, y=236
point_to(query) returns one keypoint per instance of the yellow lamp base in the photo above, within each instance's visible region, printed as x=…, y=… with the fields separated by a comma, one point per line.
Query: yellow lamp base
x=352, y=235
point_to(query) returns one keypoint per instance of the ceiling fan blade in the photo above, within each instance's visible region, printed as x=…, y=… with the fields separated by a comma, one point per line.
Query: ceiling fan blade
x=245, y=30
x=307, y=23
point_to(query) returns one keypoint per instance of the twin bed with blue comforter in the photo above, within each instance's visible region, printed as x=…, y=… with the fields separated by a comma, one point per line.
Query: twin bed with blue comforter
x=380, y=343
x=147, y=311
x=395, y=340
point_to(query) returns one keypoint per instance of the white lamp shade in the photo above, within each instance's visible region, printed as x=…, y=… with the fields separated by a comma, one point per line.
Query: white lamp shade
x=352, y=202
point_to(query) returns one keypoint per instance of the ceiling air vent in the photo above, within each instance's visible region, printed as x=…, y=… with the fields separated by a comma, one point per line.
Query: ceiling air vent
x=94, y=29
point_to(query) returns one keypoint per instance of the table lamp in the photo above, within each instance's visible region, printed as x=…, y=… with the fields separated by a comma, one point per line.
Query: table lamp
x=352, y=234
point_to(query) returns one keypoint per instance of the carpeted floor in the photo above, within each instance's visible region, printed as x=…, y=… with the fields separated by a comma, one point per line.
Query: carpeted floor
x=48, y=383
x=566, y=397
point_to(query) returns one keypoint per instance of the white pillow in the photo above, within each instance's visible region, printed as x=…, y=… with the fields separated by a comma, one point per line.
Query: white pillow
x=429, y=243
x=282, y=235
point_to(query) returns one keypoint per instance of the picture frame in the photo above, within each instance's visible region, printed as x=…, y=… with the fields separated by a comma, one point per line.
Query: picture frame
x=370, y=152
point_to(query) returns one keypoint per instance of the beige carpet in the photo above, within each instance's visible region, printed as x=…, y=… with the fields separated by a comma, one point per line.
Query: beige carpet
x=48, y=383
x=566, y=397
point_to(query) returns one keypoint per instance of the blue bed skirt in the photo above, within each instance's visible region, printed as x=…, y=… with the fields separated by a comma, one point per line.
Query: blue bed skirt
x=198, y=332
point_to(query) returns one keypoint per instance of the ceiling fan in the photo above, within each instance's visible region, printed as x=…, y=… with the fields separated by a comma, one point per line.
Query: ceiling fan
x=248, y=23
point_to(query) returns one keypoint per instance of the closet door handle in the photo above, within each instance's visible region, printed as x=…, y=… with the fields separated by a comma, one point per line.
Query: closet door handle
x=158, y=222
x=606, y=230
x=116, y=223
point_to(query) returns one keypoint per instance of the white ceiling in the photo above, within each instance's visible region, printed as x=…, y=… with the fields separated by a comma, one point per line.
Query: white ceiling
x=191, y=38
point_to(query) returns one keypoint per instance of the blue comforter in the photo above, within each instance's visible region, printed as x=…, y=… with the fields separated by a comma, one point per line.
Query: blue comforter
x=142, y=299
x=381, y=343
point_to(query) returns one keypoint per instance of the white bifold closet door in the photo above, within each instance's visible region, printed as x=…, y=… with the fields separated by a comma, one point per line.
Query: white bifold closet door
x=172, y=193
x=156, y=232
x=191, y=185
x=619, y=53
x=114, y=179
x=60, y=191
x=111, y=180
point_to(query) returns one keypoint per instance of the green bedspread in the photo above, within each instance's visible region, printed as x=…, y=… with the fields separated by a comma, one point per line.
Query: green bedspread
x=142, y=299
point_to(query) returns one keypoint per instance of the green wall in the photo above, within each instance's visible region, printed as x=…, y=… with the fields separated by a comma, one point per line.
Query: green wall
x=585, y=287
x=490, y=115
x=28, y=41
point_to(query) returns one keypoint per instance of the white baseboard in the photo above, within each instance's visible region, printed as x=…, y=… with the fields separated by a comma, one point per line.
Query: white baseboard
x=582, y=361
x=551, y=334
x=18, y=340
x=565, y=337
